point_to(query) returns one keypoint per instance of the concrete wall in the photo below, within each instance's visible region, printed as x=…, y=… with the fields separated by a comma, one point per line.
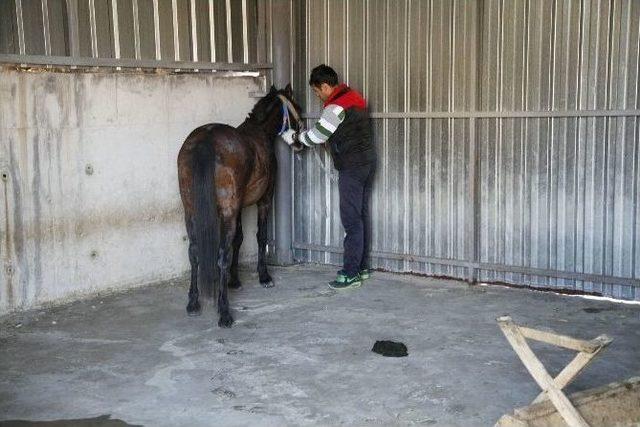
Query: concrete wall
x=89, y=183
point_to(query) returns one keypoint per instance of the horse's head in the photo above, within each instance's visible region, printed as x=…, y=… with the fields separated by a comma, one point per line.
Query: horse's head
x=278, y=112
x=290, y=115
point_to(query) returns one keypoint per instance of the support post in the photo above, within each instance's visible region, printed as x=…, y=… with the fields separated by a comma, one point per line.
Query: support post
x=281, y=50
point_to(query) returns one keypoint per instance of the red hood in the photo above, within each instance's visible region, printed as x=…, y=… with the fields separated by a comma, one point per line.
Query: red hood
x=346, y=97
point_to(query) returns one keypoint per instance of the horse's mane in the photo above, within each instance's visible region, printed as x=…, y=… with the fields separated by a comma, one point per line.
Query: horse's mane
x=260, y=111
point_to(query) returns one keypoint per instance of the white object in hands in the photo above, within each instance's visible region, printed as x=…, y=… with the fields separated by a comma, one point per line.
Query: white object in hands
x=289, y=136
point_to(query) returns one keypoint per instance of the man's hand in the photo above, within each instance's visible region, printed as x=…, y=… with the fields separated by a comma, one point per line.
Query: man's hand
x=290, y=136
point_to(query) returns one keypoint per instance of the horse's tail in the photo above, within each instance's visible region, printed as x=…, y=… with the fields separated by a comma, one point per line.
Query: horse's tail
x=206, y=216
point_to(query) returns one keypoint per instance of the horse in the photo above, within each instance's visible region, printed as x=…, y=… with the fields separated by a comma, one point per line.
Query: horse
x=221, y=170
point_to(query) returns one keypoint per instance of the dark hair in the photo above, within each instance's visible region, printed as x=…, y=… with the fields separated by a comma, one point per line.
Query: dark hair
x=323, y=74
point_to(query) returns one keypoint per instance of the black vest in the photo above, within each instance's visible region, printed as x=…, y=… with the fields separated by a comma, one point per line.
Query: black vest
x=351, y=145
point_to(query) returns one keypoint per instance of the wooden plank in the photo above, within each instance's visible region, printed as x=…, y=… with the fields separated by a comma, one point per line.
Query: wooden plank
x=510, y=421
x=615, y=404
x=568, y=374
x=562, y=340
x=539, y=373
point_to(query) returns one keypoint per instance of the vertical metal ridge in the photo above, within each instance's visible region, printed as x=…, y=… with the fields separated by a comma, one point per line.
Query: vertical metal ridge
x=451, y=134
x=473, y=224
x=116, y=29
x=497, y=161
x=261, y=29
x=327, y=160
x=176, y=30
x=72, y=19
x=292, y=56
x=636, y=201
x=427, y=152
x=345, y=24
x=307, y=42
x=405, y=154
x=292, y=59
x=270, y=32
x=156, y=30
x=20, y=26
x=136, y=29
x=637, y=80
x=591, y=239
x=525, y=128
x=625, y=81
x=551, y=135
x=365, y=50
x=194, y=30
x=580, y=152
x=212, y=33
x=606, y=143
x=93, y=28
x=46, y=33
x=229, y=31
x=245, y=29
x=385, y=106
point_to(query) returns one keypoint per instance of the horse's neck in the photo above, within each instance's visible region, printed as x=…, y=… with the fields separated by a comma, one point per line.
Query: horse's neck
x=251, y=126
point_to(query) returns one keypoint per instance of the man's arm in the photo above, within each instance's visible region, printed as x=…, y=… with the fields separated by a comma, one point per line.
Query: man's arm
x=329, y=121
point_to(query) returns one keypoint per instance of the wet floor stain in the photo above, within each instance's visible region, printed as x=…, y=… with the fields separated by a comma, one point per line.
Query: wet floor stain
x=101, y=421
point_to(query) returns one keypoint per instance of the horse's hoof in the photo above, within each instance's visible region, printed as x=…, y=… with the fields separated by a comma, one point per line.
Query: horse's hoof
x=268, y=284
x=235, y=285
x=194, y=309
x=225, y=321
x=265, y=278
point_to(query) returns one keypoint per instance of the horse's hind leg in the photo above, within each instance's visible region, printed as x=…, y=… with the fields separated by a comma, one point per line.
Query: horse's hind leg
x=224, y=262
x=193, y=307
x=234, y=281
x=263, y=214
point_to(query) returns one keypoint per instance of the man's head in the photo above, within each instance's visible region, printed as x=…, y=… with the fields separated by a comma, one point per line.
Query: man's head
x=323, y=81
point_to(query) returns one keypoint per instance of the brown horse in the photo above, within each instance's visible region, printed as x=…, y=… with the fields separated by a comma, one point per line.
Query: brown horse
x=222, y=169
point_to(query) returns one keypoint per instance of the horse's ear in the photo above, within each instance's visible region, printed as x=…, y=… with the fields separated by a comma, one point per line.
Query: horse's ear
x=273, y=89
x=288, y=90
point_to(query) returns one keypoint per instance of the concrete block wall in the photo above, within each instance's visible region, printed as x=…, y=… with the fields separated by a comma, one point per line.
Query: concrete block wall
x=89, y=192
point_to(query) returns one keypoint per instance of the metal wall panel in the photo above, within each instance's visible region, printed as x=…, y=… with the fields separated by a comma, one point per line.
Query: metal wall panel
x=203, y=30
x=8, y=29
x=126, y=29
x=507, y=132
x=146, y=29
x=57, y=13
x=48, y=32
x=560, y=193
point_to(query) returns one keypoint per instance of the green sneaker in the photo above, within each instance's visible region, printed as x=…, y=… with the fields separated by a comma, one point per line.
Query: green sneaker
x=365, y=273
x=345, y=282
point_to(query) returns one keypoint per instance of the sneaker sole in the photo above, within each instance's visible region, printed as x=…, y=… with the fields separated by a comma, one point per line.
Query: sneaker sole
x=351, y=286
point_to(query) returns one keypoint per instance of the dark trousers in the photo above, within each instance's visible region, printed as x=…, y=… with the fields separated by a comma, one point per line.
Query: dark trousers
x=354, y=185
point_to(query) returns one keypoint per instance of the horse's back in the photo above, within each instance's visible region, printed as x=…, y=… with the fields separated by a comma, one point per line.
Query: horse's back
x=211, y=130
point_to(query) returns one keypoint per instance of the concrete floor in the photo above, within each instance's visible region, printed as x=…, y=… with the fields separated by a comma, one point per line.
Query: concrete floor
x=298, y=354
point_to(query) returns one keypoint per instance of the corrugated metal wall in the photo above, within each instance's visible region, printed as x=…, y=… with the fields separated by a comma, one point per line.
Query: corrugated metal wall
x=508, y=133
x=225, y=31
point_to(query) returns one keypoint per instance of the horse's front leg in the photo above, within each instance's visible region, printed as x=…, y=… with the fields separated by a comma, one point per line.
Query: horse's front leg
x=224, y=263
x=264, y=206
x=234, y=282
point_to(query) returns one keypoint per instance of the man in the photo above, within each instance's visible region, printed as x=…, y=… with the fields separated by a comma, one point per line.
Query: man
x=344, y=126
